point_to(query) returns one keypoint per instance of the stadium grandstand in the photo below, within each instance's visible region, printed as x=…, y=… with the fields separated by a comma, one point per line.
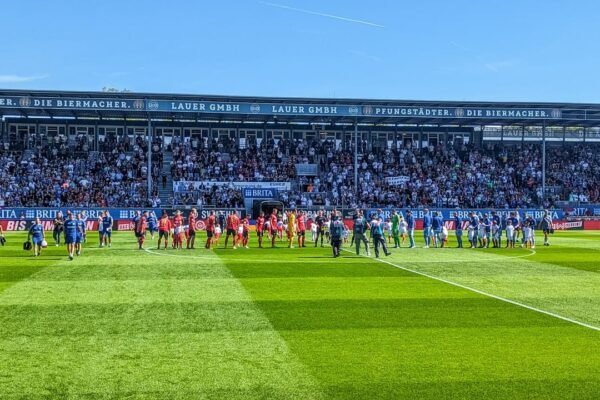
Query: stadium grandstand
x=96, y=149
x=174, y=246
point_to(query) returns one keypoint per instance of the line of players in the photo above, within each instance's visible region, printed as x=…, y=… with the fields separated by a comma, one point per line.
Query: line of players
x=180, y=231
x=485, y=230
x=482, y=230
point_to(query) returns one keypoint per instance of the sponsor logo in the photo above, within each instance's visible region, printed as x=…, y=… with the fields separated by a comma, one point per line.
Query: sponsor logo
x=200, y=226
x=125, y=226
x=254, y=108
x=565, y=226
x=153, y=105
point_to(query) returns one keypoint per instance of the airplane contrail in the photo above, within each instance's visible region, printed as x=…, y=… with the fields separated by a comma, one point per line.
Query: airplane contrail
x=338, y=17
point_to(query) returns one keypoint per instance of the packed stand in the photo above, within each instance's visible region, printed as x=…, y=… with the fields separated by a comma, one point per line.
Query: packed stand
x=70, y=175
x=436, y=176
x=59, y=175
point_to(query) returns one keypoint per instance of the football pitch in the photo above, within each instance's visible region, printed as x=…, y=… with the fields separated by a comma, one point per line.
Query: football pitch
x=297, y=324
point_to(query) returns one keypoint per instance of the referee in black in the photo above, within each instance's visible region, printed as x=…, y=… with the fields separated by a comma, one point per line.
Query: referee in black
x=320, y=221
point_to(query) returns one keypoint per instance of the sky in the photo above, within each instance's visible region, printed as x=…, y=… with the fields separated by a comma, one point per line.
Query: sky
x=505, y=50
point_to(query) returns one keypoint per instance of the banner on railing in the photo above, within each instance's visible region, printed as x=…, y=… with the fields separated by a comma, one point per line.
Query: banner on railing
x=186, y=186
x=397, y=180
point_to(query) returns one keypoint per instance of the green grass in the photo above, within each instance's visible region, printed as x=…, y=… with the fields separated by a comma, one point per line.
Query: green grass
x=295, y=323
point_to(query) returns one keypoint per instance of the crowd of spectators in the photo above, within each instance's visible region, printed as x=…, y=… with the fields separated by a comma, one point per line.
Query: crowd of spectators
x=436, y=176
x=69, y=174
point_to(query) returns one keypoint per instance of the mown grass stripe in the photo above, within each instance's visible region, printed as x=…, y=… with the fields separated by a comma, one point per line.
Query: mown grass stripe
x=481, y=292
x=115, y=323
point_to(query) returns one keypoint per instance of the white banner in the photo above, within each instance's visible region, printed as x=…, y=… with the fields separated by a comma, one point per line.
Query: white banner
x=397, y=180
x=183, y=186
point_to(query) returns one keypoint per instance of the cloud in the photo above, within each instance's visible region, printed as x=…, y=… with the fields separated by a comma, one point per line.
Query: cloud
x=320, y=14
x=20, y=78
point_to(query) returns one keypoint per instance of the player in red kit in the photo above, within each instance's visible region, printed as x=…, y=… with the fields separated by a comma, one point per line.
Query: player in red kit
x=178, y=232
x=301, y=226
x=192, y=229
x=232, y=223
x=260, y=228
x=140, y=229
x=210, y=229
x=164, y=228
x=273, y=223
x=245, y=224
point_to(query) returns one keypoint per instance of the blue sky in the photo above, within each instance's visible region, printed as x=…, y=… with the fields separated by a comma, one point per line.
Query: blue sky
x=428, y=50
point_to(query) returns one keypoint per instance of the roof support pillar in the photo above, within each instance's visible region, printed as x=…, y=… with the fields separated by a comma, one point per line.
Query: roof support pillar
x=543, y=163
x=355, y=155
x=149, y=173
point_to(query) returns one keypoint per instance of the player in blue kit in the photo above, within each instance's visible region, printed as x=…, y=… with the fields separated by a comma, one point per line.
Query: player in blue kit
x=107, y=225
x=80, y=238
x=437, y=223
x=37, y=237
x=411, y=224
x=152, y=224
x=427, y=221
x=71, y=228
x=458, y=230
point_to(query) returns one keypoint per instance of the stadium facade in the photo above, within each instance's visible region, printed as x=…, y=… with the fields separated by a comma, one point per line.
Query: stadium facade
x=46, y=113
x=31, y=119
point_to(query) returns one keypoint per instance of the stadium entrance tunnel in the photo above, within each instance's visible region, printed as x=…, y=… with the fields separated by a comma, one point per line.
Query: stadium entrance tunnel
x=266, y=207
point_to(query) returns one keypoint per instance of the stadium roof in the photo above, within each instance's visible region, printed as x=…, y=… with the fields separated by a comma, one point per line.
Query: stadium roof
x=76, y=104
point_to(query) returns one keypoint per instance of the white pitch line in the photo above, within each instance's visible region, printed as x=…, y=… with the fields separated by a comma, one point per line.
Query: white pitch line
x=257, y=260
x=180, y=256
x=467, y=261
x=488, y=294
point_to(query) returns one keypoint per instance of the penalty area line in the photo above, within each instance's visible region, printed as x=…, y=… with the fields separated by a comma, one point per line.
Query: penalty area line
x=516, y=303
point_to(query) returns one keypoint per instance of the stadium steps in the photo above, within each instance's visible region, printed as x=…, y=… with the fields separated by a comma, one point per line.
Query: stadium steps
x=27, y=154
x=167, y=191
